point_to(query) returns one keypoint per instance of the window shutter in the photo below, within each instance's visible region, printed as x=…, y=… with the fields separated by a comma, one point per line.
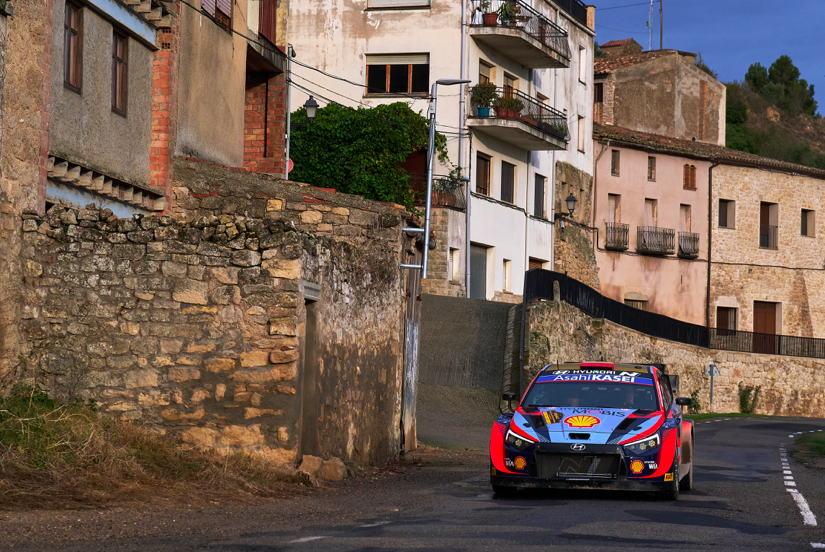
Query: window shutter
x=484, y=69
x=398, y=59
x=686, y=177
x=208, y=6
x=226, y=7
x=398, y=3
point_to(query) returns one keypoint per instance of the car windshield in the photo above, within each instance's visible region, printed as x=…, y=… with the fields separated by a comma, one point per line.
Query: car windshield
x=592, y=394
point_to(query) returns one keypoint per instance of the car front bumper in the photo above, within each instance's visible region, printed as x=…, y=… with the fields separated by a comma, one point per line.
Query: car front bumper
x=608, y=484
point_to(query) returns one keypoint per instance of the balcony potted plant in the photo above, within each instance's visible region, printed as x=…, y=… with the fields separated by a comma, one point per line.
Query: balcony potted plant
x=529, y=119
x=559, y=129
x=508, y=108
x=490, y=19
x=482, y=96
x=507, y=13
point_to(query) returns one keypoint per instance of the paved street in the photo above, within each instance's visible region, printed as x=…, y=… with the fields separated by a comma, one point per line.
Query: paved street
x=741, y=502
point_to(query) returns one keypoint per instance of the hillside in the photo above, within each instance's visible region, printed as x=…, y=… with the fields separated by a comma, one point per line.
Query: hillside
x=755, y=125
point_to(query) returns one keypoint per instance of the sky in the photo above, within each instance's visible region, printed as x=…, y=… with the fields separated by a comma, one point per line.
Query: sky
x=730, y=34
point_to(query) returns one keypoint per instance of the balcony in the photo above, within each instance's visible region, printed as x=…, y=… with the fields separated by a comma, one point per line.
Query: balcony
x=616, y=236
x=655, y=240
x=768, y=236
x=521, y=121
x=446, y=192
x=523, y=34
x=688, y=245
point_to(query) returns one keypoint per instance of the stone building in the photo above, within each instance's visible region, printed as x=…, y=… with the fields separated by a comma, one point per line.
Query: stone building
x=661, y=92
x=538, y=53
x=259, y=316
x=617, y=48
x=762, y=269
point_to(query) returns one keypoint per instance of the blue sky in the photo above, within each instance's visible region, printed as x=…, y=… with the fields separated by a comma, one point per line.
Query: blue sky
x=730, y=34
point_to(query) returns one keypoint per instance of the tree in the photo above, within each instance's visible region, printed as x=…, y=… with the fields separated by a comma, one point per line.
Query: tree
x=358, y=151
x=700, y=63
x=780, y=84
x=756, y=77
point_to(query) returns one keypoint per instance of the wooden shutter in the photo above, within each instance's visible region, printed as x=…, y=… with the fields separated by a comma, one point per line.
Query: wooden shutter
x=398, y=59
x=209, y=6
x=268, y=20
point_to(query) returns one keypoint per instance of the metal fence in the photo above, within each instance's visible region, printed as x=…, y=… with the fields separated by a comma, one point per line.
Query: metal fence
x=616, y=236
x=517, y=14
x=522, y=107
x=539, y=284
x=688, y=245
x=652, y=239
x=446, y=192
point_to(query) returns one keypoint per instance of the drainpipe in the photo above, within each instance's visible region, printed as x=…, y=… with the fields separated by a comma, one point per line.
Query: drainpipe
x=463, y=71
x=710, y=242
x=527, y=215
x=289, y=54
x=595, y=196
x=553, y=169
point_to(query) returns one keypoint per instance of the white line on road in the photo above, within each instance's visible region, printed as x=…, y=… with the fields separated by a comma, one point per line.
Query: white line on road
x=305, y=539
x=787, y=472
x=376, y=524
x=817, y=545
x=807, y=515
x=790, y=483
x=791, y=436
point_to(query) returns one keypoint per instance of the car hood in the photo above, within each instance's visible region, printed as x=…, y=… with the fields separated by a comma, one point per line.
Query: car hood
x=593, y=425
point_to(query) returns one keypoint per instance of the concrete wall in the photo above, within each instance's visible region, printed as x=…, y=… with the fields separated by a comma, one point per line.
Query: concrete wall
x=791, y=386
x=83, y=126
x=793, y=274
x=211, y=74
x=665, y=96
x=193, y=324
x=672, y=286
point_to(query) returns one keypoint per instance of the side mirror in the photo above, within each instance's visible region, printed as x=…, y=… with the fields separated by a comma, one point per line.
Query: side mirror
x=683, y=401
x=509, y=397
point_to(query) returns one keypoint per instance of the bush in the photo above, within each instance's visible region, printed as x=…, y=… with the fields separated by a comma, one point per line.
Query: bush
x=695, y=405
x=748, y=396
x=483, y=95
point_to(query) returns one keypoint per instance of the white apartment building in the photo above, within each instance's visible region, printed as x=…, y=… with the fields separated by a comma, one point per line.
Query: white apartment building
x=537, y=53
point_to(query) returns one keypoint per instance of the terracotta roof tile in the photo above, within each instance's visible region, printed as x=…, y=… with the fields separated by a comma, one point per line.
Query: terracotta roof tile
x=605, y=65
x=701, y=150
x=615, y=43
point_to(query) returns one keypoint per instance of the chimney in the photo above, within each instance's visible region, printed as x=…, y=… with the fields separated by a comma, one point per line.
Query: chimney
x=591, y=18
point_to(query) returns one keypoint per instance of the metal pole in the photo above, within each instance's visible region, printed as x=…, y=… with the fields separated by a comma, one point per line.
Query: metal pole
x=661, y=26
x=288, y=109
x=430, y=162
x=711, y=391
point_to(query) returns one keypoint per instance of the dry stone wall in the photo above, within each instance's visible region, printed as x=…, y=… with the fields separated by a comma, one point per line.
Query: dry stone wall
x=791, y=386
x=194, y=324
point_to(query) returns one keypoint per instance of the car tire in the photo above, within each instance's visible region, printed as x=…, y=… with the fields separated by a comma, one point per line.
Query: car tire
x=673, y=494
x=502, y=490
x=686, y=484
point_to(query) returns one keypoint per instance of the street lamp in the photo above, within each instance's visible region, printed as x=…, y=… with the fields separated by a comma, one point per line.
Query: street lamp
x=312, y=108
x=571, y=203
x=430, y=161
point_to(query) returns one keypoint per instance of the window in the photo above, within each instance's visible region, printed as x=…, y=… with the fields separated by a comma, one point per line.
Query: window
x=119, y=73
x=684, y=218
x=636, y=304
x=651, y=169
x=508, y=272
x=541, y=98
x=614, y=162
x=72, y=47
x=725, y=321
x=535, y=263
x=768, y=225
x=598, y=93
x=508, y=182
x=651, y=212
x=538, y=198
x=664, y=389
x=614, y=208
x=510, y=84
x=582, y=64
x=483, y=174
x=582, y=134
x=398, y=74
x=220, y=10
x=727, y=213
x=808, y=222
x=455, y=267
x=689, y=177
x=485, y=72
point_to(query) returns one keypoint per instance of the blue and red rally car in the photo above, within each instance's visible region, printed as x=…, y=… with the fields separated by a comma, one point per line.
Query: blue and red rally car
x=595, y=425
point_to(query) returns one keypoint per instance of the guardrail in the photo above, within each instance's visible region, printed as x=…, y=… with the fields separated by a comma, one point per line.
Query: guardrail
x=616, y=236
x=515, y=105
x=652, y=239
x=688, y=245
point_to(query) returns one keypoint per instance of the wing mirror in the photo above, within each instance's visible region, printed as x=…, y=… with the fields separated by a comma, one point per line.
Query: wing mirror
x=683, y=401
x=509, y=397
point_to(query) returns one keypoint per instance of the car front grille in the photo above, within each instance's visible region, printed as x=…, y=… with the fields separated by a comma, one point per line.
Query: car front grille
x=548, y=465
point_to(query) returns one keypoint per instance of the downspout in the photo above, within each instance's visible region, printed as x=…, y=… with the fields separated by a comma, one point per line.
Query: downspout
x=463, y=72
x=595, y=195
x=710, y=242
x=289, y=54
x=553, y=171
x=527, y=215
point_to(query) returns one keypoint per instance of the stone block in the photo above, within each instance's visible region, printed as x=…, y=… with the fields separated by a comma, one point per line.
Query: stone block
x=242, y=436
x=200, y=436
x=334, y=470
x=221, y=364
x=225, y=295
x=281, y=372
x=311, y=217
x=200, y=348
x=284, y=354
x=180, y=374
x=172, y=414
x=191, y=291
x=174, y=270
x=286, y=269
x=140, y=378
x=33, y=269
x=246, y=258
x=311, y=465
x=254, y=359
x=274, y=204
x=283, y=326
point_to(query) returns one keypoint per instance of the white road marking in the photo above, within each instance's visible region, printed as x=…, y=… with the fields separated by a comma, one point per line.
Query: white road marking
x=799, y=433
x=376, y=524
x=789, y=476
x=791, y=436
x=790, y=484
x=817, y=545
x=305, y=539
x=787, y=472
x=811, y=431
x=807, y=515
x=819, y=430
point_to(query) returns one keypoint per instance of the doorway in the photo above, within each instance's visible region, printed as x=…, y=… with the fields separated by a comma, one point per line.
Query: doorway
x=478, y=271
x=764, y=327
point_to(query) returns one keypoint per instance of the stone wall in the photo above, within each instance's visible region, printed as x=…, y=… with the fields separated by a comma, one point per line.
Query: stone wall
x=448, y=228
x=791, y=386
x=194, y=323
x=573, y=246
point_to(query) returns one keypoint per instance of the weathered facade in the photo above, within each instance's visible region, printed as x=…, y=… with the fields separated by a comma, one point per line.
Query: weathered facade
x=261, y=316
x=574, y=249
x=542, y=58
x=661, y=92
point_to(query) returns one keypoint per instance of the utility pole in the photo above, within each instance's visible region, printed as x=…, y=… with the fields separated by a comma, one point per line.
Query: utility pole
x=661, y=26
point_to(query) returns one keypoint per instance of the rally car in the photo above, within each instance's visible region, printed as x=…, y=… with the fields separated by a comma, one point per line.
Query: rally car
x=595, y=425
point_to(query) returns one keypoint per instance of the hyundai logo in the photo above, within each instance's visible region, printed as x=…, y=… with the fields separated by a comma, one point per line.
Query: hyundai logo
x=578, y=446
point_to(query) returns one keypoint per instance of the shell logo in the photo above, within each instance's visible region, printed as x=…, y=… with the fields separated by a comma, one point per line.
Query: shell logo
x=636, y=466
x=582, y=421
x=520, y=463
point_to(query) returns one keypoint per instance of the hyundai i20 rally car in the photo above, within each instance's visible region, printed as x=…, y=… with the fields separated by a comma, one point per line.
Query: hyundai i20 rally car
x=595, y=425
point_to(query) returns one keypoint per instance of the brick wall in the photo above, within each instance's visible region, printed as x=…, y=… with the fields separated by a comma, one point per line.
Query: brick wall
x=163, y=103
x=264, y=126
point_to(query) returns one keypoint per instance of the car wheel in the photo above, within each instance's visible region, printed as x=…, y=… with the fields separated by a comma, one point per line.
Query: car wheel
x=686, y=484
x=673, y=493
x=502, y=490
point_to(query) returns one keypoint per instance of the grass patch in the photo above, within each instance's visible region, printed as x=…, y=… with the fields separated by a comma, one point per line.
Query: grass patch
x=808, y=447
x=57, y=455
x=729, y=415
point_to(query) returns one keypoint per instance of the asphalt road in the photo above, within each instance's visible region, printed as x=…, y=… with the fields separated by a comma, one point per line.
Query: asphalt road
x=741, y=502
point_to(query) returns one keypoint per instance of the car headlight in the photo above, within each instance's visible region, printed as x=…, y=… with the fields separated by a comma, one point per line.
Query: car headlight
x=644, y=446
x=518, y=441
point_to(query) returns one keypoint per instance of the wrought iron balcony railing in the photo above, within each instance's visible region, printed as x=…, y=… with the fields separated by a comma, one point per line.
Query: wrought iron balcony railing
x=576, y=8
x=518, y=15
x=515, y=105
x=688, y=245
x=652, y=239
x=446, y=192
x=616, y=236
x=768, y=236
